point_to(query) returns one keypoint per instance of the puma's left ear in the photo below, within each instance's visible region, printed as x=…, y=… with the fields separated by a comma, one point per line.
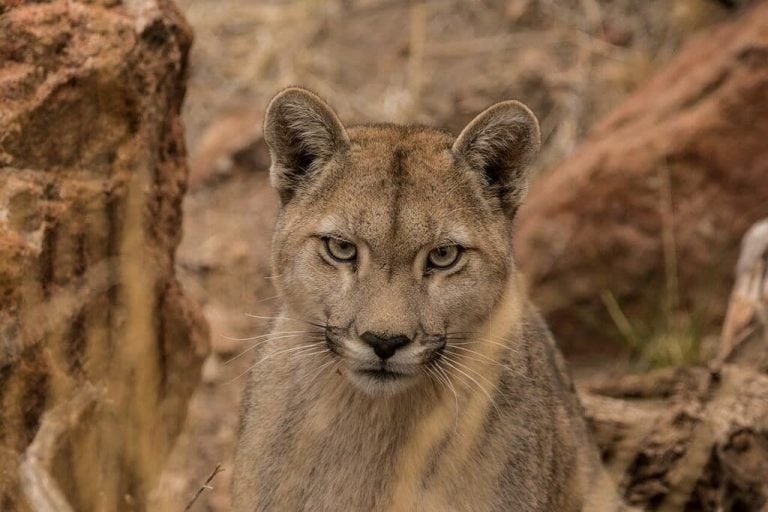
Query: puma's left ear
x=500, y=144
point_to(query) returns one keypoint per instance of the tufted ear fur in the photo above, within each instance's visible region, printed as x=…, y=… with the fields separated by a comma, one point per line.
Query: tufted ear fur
x=302, y=133
x=500, y=144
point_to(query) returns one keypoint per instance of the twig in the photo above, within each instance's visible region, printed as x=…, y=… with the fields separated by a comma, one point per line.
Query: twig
x=669, y=245
x=620, y=319
x=748, y=306
x=418, y=37
x=203, y=487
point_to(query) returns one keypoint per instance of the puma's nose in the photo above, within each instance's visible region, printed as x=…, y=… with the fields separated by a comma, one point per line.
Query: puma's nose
x=384, y=346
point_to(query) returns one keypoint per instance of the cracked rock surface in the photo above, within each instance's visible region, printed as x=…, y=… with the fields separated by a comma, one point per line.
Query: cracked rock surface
x=92, y=175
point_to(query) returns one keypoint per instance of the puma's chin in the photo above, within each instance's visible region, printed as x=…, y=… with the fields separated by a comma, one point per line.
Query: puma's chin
x=380, y=380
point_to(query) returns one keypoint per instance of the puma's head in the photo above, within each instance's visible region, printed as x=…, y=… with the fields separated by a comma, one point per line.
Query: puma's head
x=395, y=238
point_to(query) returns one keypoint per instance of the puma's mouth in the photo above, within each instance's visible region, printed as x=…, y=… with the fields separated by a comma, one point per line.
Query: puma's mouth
x=381, y=379
x=381, y=374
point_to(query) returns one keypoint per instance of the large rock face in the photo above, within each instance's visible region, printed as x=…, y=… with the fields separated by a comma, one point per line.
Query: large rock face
x=99, y=350
x=649, y=210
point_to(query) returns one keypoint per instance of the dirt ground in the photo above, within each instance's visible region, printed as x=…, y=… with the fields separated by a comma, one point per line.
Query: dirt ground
x=438, y=62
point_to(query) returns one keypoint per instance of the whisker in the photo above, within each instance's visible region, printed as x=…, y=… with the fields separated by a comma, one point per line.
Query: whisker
x=263, y=335
x=430, y=375
x=455, y=397
x=455, y=367
x=440, y=371
x=485, y=359
x=514, y=371
x=453, y=358
x=259, y=317
x=265, y=358
x=286, y=336
x=268, y=298
x=320, y=370
x=295, y=357
x=477, y=335
x=484, y=340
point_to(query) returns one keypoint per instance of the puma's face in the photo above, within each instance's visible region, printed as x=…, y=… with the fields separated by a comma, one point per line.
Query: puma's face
x=394, y=239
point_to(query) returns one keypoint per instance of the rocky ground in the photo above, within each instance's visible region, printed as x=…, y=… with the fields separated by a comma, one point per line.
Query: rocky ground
x=434, y=62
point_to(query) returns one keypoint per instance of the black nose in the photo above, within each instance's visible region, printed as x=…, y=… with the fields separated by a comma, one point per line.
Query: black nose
x=385, y=346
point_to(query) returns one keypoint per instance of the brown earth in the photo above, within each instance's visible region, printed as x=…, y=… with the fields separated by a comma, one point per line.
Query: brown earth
x=99, y=348
x=646, y=217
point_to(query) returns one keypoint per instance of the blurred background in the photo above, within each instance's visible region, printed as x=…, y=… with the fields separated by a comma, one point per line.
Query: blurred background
x=654, y=117
x=437, y=63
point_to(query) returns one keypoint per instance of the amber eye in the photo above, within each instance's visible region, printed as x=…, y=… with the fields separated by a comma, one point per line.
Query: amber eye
x=340, y=250
x=443, y=257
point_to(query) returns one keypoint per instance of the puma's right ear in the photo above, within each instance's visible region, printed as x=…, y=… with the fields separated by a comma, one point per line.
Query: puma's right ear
x=302, y=133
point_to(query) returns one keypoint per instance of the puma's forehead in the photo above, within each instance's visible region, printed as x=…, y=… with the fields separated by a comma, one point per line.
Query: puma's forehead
x=400, y=158
x=398, y=188
x=412, y=138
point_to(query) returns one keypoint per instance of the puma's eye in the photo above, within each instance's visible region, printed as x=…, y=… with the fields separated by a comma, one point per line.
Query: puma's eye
x=443, y=257
x=340, y=250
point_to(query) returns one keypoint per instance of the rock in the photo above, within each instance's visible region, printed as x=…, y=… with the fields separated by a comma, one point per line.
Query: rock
x=99, y=348
x=649, y=210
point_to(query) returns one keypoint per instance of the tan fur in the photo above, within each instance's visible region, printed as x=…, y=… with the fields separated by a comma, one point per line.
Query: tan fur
x=482, y=415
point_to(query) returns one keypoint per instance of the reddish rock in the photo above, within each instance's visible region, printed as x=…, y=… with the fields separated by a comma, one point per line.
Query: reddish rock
x=99, y=349
x=664, y=187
